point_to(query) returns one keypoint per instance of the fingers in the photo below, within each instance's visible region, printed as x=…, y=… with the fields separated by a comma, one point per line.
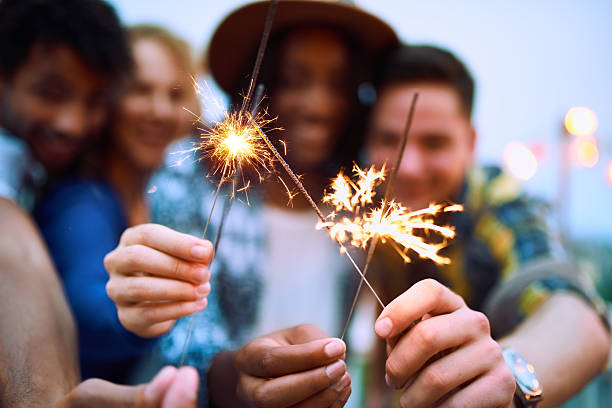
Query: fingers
x=430, y=337
x=495, y=389
x=425, y=297
x=302, y=333
x=292, y=389
x=264, y=358
x=333, y=396
x=152, y=320
x=450, y=372
x=141, y=259
x=183, y=391
x=171, y=242
x=136, y=289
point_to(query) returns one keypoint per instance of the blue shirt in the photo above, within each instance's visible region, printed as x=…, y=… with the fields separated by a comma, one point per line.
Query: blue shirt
x=81, y=222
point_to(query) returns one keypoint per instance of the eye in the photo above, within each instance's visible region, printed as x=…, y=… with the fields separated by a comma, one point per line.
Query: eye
x=385, y=139
x=176, y=94
x=51, y=93
x=435, y=141
x=294, y=80
x=139, y=88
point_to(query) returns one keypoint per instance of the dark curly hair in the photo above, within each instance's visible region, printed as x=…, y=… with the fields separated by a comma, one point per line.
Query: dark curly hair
x=415, y=63
x=90, y=28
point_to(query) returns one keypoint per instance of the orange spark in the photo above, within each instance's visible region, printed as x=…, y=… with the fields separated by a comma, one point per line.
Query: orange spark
x=389, y=221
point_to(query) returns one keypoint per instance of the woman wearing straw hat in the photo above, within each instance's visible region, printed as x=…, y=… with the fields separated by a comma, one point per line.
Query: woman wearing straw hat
x=317, y=55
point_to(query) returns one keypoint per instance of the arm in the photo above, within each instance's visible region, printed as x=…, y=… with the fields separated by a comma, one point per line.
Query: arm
x=38, y=361
x=566, y=342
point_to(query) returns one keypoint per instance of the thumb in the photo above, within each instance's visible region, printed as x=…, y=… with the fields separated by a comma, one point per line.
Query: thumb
x=183, y=390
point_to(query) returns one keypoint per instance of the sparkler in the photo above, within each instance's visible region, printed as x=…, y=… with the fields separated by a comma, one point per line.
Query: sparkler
x=233, y=143
x=388, y=190
x=314, y=206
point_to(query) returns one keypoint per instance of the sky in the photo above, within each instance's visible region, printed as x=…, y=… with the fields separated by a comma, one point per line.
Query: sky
x=532, y=61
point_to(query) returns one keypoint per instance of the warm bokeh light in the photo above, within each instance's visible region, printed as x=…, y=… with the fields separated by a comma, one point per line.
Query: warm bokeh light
x=609, y=173
x=584, y=152
x=520, y=161
x=580, y=121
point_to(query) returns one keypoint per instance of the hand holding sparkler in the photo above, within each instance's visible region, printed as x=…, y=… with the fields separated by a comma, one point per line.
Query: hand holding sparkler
x=299, y=366
x=448, y=354
x=157, y=275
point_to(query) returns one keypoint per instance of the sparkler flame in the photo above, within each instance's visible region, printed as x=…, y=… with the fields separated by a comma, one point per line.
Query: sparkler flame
x=389, y=221
x=233, y=143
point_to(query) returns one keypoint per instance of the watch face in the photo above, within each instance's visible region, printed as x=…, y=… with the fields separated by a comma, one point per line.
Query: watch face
x=524, y=373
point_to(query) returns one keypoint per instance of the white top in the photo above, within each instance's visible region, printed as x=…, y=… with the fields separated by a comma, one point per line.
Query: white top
x=301, y=274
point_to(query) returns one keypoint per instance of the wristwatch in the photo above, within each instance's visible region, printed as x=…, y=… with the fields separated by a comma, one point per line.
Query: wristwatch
x=528, y=388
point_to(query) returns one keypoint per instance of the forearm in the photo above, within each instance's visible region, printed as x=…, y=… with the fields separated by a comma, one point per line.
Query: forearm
x=223, y=381
x=566, y=342
x=38, y=361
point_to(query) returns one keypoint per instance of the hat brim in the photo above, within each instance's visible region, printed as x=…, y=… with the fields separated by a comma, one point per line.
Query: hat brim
x=236, y=39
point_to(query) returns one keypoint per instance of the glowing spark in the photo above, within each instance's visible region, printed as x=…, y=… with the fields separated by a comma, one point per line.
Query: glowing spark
x=390, y=221
x=284, y=146
x=343, y=197
x=290, y=193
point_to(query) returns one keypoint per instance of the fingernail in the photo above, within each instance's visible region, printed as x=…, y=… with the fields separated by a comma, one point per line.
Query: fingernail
x=203, y=290
x=344, y=381
x=199, y=252
x=388, y=380
x=334, y=371
x=200, y=274
x=383, y=327
x=334, y=348
x=201, y=303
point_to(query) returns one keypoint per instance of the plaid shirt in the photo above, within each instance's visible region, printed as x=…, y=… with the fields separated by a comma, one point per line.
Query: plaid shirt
x=506, y=258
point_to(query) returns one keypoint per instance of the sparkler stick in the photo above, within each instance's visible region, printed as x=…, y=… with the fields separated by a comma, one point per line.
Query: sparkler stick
x=230, y=164
x=303, y=190
x=260, y=53
x=388, y=189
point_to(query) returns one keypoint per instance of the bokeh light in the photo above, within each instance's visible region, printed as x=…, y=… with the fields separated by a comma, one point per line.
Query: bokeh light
x=520, y=161
x=584, y=152
x=580, y=121
x=609, y=172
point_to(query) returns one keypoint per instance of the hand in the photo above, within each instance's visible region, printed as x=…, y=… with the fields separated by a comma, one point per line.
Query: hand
x=296, y=367
x=171, y=388
x=157, y=275
x=448, y=358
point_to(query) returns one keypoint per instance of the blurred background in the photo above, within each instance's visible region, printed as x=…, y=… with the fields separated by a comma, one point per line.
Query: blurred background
x=533, y=61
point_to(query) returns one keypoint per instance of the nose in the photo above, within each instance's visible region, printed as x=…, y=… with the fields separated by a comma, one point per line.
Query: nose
x=72, y=121
x=412, y=165
x=162, y=107
x=320, y=103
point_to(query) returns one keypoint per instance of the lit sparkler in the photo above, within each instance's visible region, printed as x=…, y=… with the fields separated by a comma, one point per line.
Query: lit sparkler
x=391, y=221
x=233, y=143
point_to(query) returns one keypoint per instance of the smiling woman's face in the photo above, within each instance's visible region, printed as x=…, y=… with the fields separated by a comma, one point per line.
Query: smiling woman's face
x=150, y=113
x=311, y=97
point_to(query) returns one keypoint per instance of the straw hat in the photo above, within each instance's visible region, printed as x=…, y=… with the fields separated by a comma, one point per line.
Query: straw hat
x=235, y=41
